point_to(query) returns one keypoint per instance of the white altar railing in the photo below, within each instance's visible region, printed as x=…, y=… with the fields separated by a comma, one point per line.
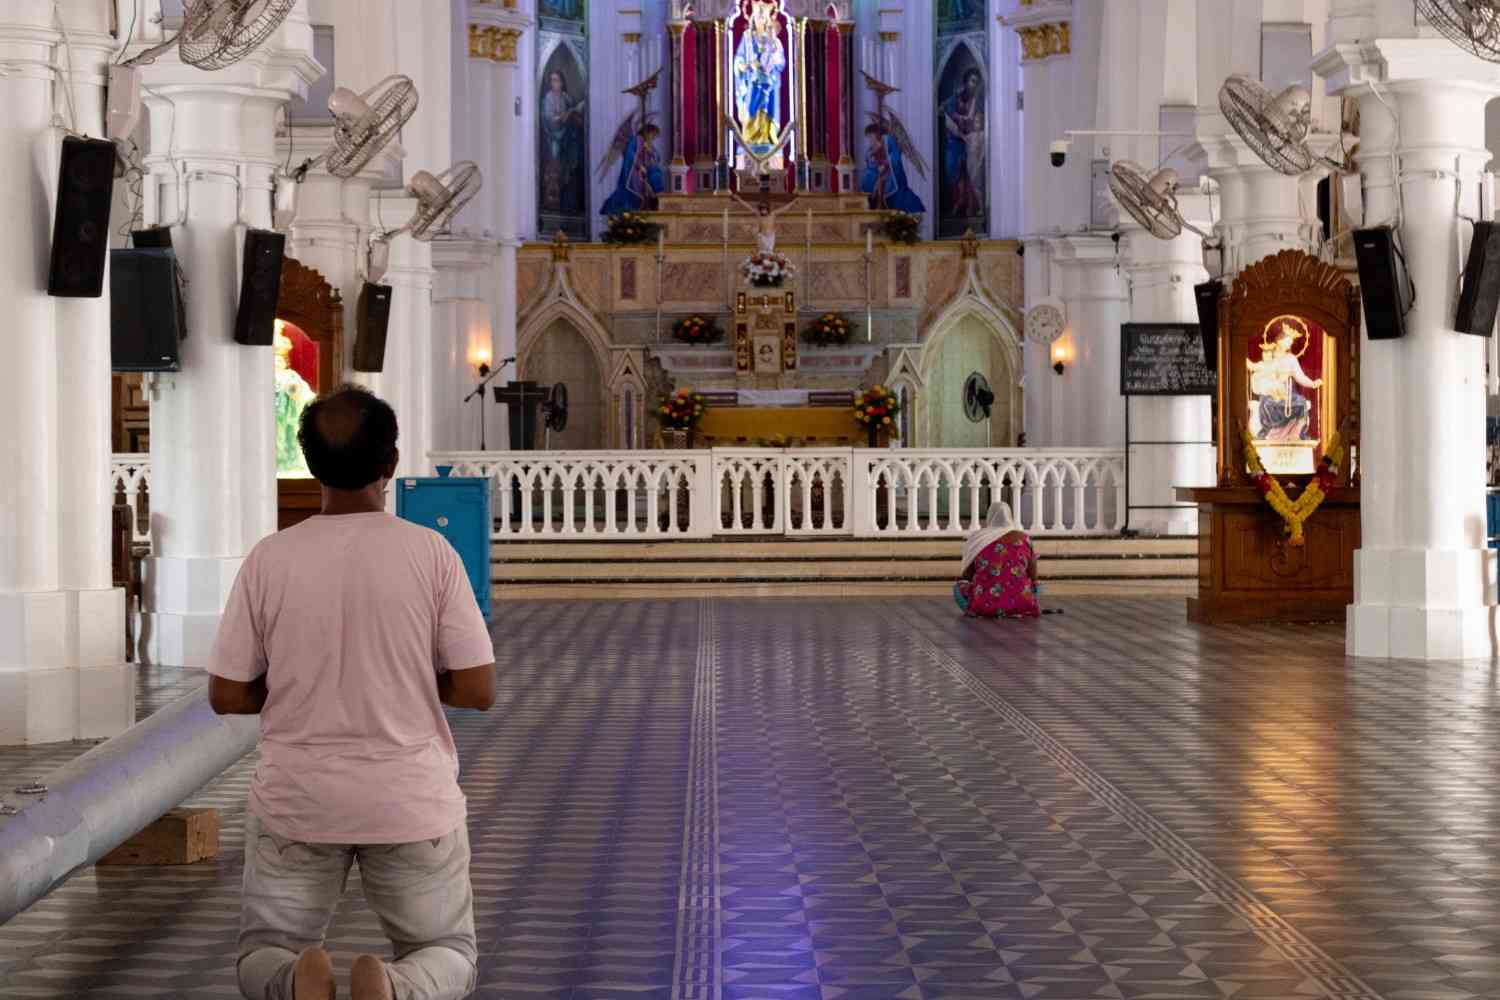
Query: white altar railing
x=130, y=483
x=743, y=492
x=832, y=492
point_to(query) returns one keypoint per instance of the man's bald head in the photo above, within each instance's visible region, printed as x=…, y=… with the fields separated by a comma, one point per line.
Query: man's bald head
x=348, y=437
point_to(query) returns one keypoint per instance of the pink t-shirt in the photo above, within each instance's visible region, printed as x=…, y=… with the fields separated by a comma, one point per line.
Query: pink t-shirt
x=354, y=616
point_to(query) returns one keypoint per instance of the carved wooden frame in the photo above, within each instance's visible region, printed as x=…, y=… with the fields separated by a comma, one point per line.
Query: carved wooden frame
x=317, y=309
x=1288, y=282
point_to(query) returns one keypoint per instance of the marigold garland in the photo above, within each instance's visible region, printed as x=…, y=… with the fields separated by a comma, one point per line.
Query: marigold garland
x=1296, y=512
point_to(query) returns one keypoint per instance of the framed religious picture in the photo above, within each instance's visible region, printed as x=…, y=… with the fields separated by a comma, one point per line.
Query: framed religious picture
x=768, y=354
x=1288, y=368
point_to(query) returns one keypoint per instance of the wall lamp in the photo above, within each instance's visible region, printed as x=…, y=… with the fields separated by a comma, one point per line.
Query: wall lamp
x=1059, y=358
x=481, y=360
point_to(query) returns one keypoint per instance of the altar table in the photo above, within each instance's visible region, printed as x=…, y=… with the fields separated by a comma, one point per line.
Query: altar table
x=815, y=426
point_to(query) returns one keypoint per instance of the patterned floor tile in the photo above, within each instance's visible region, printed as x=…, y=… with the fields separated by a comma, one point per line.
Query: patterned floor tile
x=850, y=800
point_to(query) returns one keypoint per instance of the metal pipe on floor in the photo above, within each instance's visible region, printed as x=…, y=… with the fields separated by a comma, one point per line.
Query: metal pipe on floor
x=97, y=802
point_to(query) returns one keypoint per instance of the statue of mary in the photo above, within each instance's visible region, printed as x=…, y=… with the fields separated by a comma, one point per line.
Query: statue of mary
x=759, y=62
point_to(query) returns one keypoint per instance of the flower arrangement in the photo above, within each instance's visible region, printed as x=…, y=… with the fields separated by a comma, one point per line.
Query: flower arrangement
x=877, y=408
x=902, y=227
x=681, y=410
x=1296, y=512
x=695, y=330
x=829, y=329
x=768, y=270
x=630, y=228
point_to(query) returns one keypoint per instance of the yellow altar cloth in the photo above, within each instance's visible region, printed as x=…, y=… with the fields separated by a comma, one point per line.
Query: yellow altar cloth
x=813, y=426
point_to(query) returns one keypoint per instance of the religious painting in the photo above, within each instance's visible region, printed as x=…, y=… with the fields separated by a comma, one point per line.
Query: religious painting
x=1285, y=401
x=562, y=144
x=573, y=13
x=768, y=354
x=961, y=14
x=296, y=386
x=759, y=73
x=963, y=142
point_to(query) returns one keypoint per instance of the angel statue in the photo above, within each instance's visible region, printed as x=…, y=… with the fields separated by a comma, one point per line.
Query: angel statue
x=887, y=147
x=641, y=177
x=765, y=227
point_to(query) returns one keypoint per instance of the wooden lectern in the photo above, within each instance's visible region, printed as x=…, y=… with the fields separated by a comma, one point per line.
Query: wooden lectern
x=522, y=400
x=1288, y=363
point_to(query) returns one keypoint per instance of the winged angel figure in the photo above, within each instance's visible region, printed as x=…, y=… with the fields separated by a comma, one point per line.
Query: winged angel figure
x=888, y=147
x=634, y=147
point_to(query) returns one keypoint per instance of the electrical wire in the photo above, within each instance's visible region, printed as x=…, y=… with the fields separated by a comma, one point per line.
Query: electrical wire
x=135, y=9
x=68, y=85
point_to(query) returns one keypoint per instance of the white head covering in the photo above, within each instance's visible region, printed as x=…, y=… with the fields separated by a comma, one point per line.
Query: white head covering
x=997, y=524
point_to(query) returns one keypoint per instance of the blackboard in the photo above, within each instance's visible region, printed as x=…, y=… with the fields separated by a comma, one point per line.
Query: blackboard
x=1163, y=359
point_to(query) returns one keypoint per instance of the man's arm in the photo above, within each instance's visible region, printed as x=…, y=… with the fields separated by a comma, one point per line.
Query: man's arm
x=472, y=688
x=227, y=697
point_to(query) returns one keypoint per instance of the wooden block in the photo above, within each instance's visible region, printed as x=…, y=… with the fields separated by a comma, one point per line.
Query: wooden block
x=181, y=837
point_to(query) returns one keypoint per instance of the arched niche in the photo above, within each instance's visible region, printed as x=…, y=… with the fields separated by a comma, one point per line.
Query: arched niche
x=961, y=343
x=562, y=353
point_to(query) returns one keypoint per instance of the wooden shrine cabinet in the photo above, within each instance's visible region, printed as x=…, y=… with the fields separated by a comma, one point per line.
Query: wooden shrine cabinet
x=1288, y=363
x=311, y=313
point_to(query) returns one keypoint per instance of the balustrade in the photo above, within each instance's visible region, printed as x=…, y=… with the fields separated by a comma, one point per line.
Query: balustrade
x=744, y=492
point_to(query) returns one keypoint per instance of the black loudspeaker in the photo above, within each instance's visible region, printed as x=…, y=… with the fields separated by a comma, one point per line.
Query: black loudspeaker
x=80, y=230
x=1382, y=283
x=1480, y=296
x=145, y=311
x=371, y=316
x=1207, y=296
x=260, y=287
x=1325, y=206
x=155, y=238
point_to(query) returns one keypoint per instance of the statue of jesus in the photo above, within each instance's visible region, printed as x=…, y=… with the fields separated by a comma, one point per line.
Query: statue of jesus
x=765, y=227
x=759, y=62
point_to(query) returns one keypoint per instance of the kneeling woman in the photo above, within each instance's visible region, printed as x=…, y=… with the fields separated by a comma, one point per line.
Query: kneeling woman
x=999, y=576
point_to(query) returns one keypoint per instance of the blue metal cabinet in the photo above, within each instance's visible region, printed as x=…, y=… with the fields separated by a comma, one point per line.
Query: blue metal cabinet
x=1492, y=512
x=459, y=510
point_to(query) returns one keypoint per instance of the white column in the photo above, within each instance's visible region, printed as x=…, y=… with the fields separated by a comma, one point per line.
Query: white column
x=62, y=625
x=1160, y=276
x=212, y=441
x=510, y=156
x=406, y=382
x=1086, y=400
x=1424, y=580
x=461, y=335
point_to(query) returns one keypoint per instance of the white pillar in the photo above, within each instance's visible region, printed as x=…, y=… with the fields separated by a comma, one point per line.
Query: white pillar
x=62, y=625
x=212, y=424
x=1087, y=405
x=1424, y=580
x=462, y=333
x=510, y=158
x=406, y=382
x=1160, y=276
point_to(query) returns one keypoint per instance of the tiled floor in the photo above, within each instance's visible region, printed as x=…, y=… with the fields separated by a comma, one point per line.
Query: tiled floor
x=155, y=688
x=878, y=799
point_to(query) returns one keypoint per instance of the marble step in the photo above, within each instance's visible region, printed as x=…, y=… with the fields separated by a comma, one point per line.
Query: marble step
x=934, y=570
x=795, y=589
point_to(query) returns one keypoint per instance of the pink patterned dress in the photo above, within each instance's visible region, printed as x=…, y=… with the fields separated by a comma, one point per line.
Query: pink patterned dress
x=1000, y=586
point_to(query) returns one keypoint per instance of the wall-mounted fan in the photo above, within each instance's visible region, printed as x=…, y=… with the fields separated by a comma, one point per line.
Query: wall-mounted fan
x=1275, y=126
x=364, y=125
x=219, y=33
x=1472, y=25
x=1151, y=199
x=979, y=398
x=555, y=411
x=439, y=199
x=215, y=34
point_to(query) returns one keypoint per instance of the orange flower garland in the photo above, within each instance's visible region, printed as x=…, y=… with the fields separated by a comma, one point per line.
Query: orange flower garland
x=1296, y=512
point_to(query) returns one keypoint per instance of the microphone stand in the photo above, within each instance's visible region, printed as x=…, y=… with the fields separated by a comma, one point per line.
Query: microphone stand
x=487, y=374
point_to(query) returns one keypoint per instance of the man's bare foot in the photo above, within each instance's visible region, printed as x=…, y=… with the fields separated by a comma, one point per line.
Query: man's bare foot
x=368, y=979
x=312, y=977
